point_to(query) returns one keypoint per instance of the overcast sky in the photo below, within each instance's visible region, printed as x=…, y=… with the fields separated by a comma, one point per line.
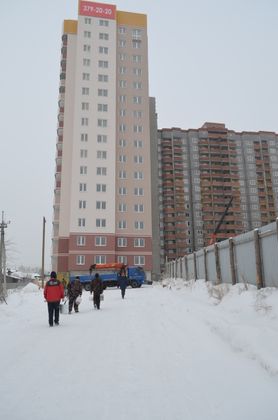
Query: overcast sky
x=209, y=60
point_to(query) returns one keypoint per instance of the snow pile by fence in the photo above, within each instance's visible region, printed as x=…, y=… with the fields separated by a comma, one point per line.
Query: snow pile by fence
x=242, y=316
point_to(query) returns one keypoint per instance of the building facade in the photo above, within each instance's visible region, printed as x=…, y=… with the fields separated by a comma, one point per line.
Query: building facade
x=102, y=197
x=200, y=172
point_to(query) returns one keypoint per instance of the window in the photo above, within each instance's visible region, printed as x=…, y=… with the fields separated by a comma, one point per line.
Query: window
x=122, y=224
x=138, y=144
x=136, y=58
x=122, y=70
x=138, y=175
x=138, y=159
x=84, y=137
x=122, y=259
x=122, y=143
x=137, y=85
x=122, y=112
x=80, y=259
x=85, y=106
x=122, y=128
x=136, y=43
x=101, y=154
x=103, y=77
x=139, y=260
x=86, y=62
x=82, y=186
x=82, y=204
x=123, y=83
x=101, y=187
x=136, y=33
x=122, y=98
x=122, y=242
x=137, y=99
x=81, y=240
x=137, y=128
x=102, y=107
x=85, y=76
x=139, y=243
x=122, y=158
x=103, y=64
x=139, y=208
x=85, y=91
x=122, y=43
x=102, y=138
x=86, y=47
x=104, y=36
x=103, y=50
x=122, y=56
x=102, y=123
x=100, y=259
x=84, y=121
x=102, y=92
x=87, y=20
x=83, y=170
x=138, y=191
x=81, y=222
x=101, y=205
x=137, y=71
x=122, y=174
x=100, y=241
x=122, y=30
x=87, y=34
x=137, y=114
x=122, y=191
x=100, y=222
x=122, y=207
x=102, y=22
x=83, y=153
x=139, y=225
x=101, y=171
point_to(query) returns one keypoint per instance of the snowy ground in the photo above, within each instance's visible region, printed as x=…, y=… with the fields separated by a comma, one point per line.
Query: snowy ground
x=179, y=352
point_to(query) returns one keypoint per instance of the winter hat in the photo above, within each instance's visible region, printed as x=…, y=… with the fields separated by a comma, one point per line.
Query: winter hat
x=53, y=274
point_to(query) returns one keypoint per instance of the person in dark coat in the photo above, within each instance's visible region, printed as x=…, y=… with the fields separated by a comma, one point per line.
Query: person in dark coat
x=74, y=290
x=53, y=293
x=122, y=282
x=96, y=286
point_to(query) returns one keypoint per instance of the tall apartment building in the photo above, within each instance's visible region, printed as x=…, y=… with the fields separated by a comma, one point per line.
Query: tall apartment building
x=102, y=199
x=199, y=171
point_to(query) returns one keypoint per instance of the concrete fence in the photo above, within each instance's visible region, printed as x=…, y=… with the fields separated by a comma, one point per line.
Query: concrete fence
x=248, y=258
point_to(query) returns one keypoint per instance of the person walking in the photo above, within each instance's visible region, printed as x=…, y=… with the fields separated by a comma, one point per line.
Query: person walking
x=122, y=282
x=53, y=293
x=96, y=286
x=74, y=290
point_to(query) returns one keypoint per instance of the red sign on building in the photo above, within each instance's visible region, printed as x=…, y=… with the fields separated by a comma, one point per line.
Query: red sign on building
x=106, y=11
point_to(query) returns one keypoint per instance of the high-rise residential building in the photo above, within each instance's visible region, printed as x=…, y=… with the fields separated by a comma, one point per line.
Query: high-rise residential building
x=102, y=199
x=200, y=172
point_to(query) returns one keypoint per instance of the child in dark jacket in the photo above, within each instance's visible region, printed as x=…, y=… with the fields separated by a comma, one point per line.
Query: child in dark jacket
x=74, y=290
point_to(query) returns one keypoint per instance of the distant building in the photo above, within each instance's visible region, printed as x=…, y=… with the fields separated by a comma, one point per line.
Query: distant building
x=199, y=171
x=102, y=198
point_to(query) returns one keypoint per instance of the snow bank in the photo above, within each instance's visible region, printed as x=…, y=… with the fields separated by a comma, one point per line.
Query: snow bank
x=241, y=315
x=30, y=288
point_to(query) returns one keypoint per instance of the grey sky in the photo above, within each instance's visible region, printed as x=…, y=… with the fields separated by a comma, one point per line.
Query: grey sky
x=209, y=60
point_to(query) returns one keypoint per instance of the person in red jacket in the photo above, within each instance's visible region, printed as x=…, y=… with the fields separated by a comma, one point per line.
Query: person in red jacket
x=53, y=293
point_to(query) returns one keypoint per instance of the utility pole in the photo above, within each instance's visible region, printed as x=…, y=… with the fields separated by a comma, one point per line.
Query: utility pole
x=3, y=284
x=43, y=247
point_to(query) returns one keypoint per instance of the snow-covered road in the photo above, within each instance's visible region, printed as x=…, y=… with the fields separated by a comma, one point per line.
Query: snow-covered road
x=160, y=354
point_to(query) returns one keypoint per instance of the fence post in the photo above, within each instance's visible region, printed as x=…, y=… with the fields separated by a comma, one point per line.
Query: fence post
x=180, y=267
x=206, y=264
x=232, y=260
x=186, y=267
x=195, y=265
x=217, y=264
x=259, y=272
